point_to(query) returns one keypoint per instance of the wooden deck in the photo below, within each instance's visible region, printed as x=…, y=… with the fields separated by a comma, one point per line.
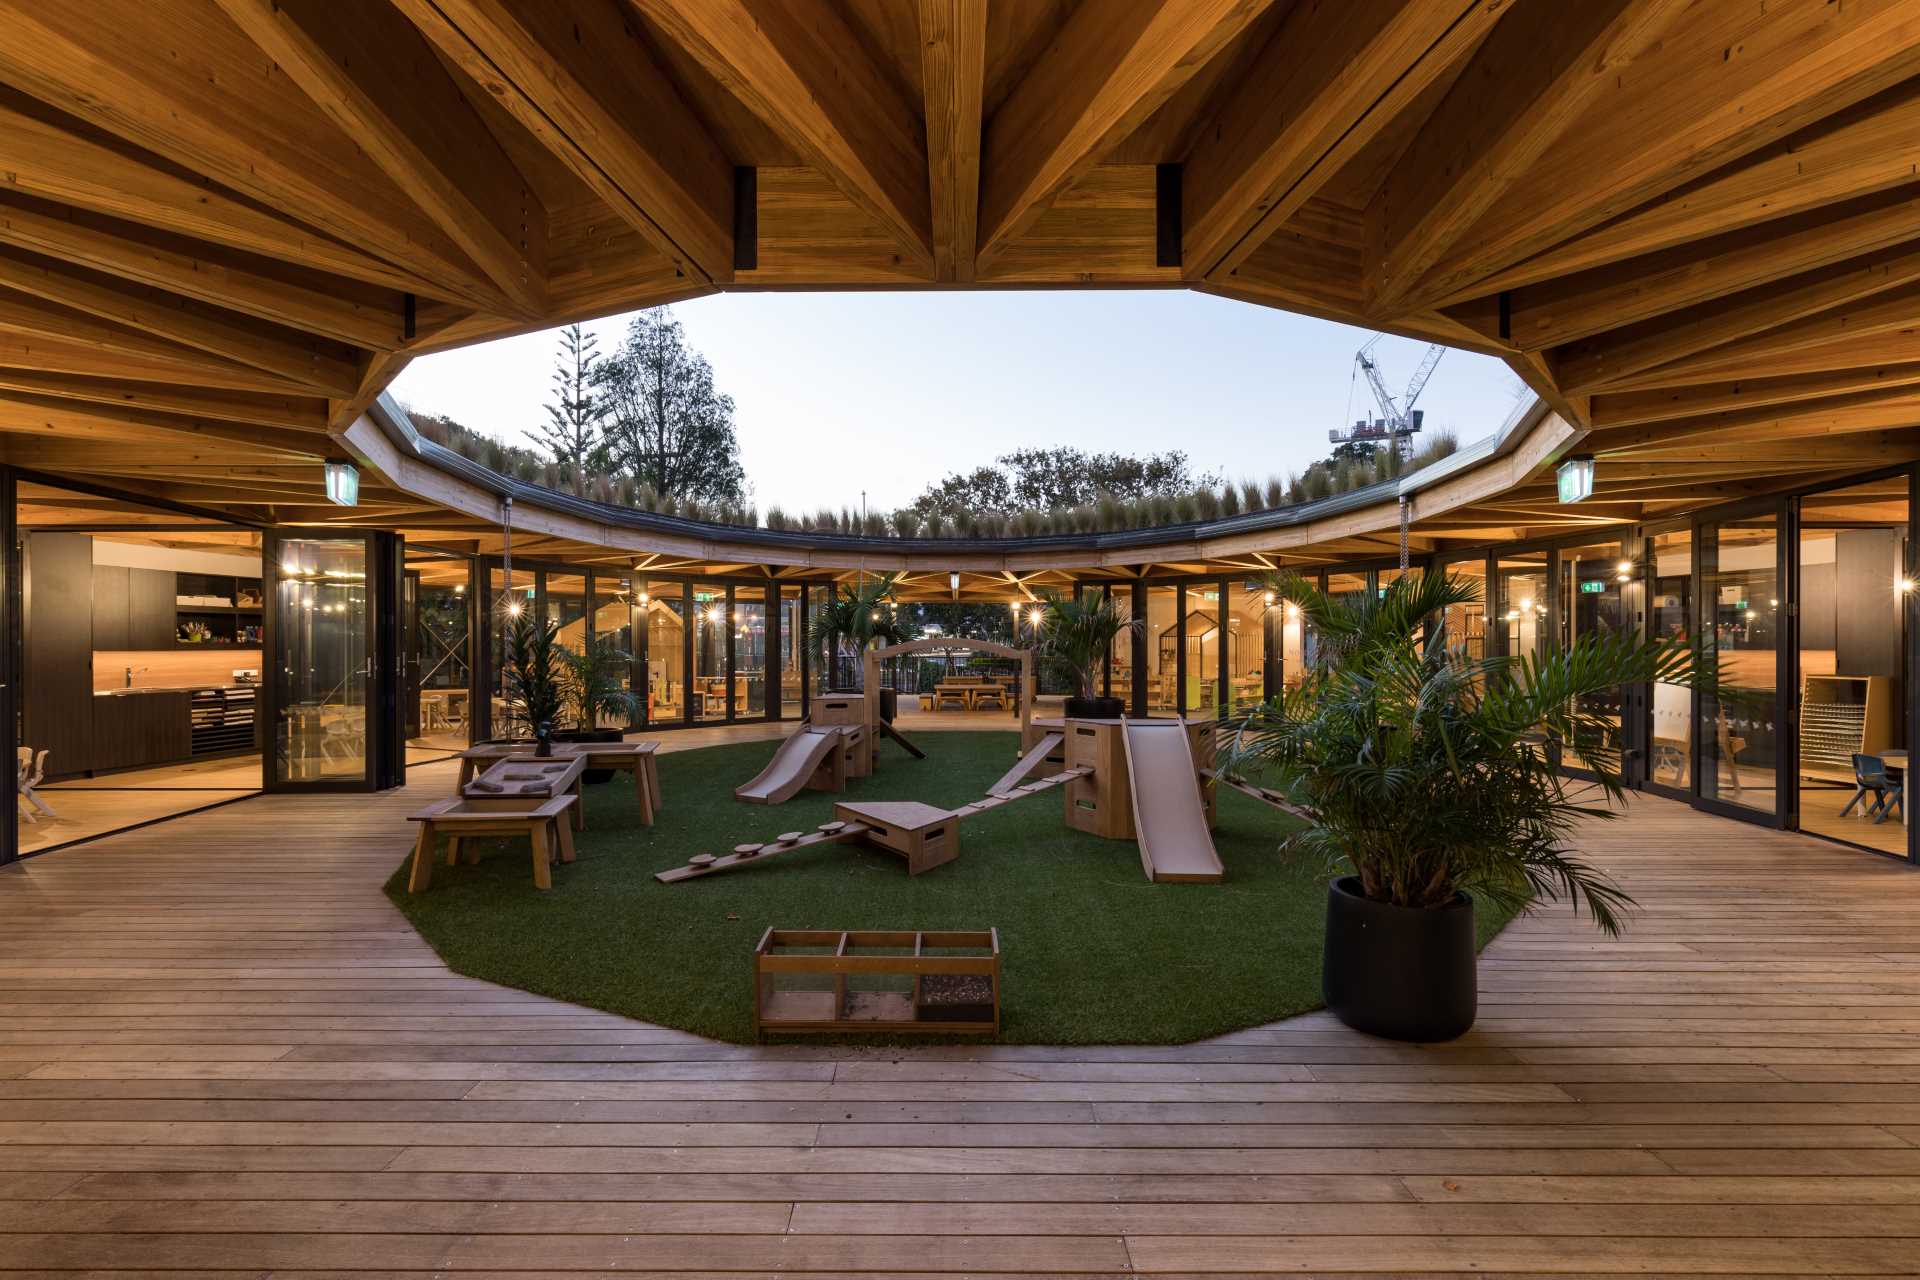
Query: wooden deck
x=223, y=1054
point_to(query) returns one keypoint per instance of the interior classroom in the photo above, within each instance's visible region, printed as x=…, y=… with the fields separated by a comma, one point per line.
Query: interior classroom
x=141, y=664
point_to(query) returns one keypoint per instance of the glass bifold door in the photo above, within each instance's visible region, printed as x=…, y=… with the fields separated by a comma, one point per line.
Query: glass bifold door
x=333, y=713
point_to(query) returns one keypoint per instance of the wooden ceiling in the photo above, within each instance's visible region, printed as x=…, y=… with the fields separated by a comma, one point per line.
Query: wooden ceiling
x=1692, y=226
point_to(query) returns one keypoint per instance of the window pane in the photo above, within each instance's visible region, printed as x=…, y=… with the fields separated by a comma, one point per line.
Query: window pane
x=709, y=691
x=750, y=651
x=1591, y=604
x=1670, y=615
x=1163, y=648
x=1523, y=601
x=1740, y=594
x=1467, y=623
x=320, y=660
x=662, y=605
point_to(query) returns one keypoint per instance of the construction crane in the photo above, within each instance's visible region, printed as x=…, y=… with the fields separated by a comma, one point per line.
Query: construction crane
x=1398, y=419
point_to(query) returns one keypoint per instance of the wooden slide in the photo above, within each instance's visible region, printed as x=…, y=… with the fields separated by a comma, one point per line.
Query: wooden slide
x=804, y=751
x=1169, y=816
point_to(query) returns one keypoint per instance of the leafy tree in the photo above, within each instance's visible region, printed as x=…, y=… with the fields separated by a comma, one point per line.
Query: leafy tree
x=571, y=434
x=1057, y=478
x=666, y=424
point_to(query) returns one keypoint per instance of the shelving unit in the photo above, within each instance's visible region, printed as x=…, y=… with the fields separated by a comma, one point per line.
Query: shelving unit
x=1841, y=716
x=230, y=608
x=866, y=980
x=223, y=721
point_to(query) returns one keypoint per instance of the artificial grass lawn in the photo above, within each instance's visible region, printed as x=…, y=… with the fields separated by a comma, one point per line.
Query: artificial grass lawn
x=1092, y=952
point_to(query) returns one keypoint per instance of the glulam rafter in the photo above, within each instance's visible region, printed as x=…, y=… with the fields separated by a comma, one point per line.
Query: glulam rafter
x=1692, y=229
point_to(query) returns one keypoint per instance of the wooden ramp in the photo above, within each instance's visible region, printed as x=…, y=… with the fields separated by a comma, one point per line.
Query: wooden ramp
x=1169, y=814
x=804, y=751
x=1026, y=765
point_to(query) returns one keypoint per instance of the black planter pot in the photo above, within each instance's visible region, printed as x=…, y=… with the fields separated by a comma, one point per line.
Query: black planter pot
x=1095, y=708
x=1399, y=972
x=590, y=735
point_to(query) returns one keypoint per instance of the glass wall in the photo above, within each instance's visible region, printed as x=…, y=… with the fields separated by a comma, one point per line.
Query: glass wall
x=611, y=623
x=321, y=661
x=750, y=652
x=664, y=634
x=1296, y=638
x=1523, y=601
x=508, y=598
x=1591, y=601
x=1670, y=615
x=1204, y=632
x=1246, y=609
x=567, y=608
x=1163, y=651
x=1120, y=661
x=1466, y=624
x=793, y=636
x=1343, y=585
x=1852, y=636
x=1740, y=608
x=709, y=686
x=439, y=660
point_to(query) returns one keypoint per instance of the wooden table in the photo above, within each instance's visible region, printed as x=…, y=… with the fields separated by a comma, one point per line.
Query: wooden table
x=638, y=758
x=525, y=777
x=544, y=823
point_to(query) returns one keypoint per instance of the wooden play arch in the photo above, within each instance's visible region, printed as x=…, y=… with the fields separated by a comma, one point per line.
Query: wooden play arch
x=934, y=644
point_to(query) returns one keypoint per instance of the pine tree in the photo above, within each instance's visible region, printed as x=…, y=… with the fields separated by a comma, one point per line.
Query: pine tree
x=571, y=436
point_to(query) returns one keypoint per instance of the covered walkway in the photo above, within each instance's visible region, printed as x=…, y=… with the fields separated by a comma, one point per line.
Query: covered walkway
x=223, y=1053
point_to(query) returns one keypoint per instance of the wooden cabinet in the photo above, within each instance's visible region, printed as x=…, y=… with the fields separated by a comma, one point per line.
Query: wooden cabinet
x=59, y=650
x=109, y=606
x=150, y=609
x=133, y=730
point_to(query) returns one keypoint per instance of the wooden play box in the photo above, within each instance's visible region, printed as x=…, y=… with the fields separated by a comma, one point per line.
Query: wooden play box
x=943, y=981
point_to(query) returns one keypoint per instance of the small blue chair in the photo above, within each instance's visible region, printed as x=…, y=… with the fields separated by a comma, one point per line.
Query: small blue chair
x=1889, y=790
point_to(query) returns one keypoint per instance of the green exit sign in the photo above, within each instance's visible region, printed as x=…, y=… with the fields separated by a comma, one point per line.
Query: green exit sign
x=1592, y=588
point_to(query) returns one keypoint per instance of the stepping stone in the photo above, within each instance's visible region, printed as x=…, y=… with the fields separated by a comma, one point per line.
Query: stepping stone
x=700, y=860
x=788, y=837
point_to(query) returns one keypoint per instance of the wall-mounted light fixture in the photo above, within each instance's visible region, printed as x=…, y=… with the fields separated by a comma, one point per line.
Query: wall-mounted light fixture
x=1575, y=478
x=343, y=484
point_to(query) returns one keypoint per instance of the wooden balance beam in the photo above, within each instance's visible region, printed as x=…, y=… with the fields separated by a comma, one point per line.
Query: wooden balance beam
x=884, y=828
x=1263, y=794
x=706, y=864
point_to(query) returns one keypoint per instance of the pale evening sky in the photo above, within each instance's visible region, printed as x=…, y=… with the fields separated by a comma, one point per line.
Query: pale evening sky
x=888, y=392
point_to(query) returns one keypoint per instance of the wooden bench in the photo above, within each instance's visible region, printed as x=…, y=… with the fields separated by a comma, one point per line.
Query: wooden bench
x=641, y=759
x=546, y=826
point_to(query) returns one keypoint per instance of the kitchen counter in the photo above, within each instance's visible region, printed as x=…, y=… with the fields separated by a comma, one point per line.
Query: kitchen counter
x=174, y=688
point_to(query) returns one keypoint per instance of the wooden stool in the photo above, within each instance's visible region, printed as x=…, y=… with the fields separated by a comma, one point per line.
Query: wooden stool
x=546, y=825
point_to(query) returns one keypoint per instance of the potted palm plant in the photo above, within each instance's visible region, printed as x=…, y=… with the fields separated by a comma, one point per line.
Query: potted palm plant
x=532, y=672
x=1426, y=778
x=1076, y=634
x=594, y=686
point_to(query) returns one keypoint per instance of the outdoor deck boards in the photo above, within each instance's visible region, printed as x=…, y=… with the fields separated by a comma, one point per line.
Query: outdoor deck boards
x=225, y=1054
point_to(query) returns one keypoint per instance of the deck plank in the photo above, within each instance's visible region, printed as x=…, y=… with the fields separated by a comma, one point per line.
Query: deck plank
x=224, y=1057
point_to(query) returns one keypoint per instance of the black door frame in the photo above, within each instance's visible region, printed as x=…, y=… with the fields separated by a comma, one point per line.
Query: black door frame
x=384, y=755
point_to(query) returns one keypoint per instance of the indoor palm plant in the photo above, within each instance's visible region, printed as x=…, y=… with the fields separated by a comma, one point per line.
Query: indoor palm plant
x=532, y=672
x=1077, y=632
x=1427, y=777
